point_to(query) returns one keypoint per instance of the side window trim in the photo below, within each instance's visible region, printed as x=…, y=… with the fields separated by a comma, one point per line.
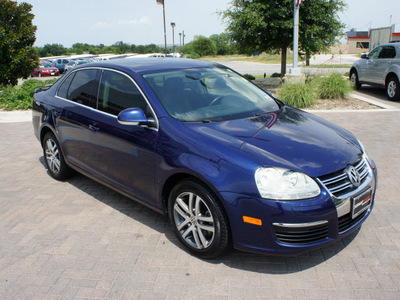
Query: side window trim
x=72, y=73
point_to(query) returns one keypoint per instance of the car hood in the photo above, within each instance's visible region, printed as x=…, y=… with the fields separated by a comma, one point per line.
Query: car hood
x=289, y=138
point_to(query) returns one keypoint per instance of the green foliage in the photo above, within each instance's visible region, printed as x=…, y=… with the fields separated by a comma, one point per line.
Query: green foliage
x=276, y=75
x=266, y=25
x=202, y=46
x=20, y=97
x=249, y=76
x=333, y=86
x=17, y=36
x=298, y=94
x=223, y=43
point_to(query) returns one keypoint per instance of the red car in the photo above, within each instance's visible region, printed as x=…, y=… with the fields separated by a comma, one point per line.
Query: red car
x=45, y=70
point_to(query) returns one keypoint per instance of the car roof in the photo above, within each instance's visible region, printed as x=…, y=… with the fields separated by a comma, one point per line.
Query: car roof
x=150, y=65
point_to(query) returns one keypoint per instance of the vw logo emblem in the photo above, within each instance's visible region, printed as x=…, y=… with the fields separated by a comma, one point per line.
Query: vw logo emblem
x=353, y=176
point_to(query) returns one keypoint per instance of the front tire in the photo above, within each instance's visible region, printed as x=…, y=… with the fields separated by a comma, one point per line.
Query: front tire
x=54, y=158
x=198, y=219
x=393, y=89
x=354, y=80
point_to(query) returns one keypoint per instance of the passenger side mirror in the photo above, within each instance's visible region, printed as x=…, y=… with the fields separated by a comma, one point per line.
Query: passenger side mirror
x=135, y=116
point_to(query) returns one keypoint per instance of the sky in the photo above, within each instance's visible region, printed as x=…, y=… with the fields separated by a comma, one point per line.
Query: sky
x=140, y=22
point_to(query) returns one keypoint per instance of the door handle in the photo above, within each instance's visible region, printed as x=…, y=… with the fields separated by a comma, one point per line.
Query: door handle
x=57, y=114
x=94, y=128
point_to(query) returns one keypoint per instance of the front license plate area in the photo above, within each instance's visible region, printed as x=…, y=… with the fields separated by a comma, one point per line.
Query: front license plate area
x=361, y=203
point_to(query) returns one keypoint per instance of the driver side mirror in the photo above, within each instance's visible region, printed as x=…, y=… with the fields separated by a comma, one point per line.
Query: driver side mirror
x=135, y=116
x=365, y=56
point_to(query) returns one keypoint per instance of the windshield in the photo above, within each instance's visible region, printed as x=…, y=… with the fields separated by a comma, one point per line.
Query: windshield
x=209, y=94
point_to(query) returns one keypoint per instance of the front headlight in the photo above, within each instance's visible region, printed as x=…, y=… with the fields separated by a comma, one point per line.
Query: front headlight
x=284, y=184
x=365, y=152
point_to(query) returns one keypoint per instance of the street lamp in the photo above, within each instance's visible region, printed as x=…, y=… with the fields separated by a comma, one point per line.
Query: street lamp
x=173, y=38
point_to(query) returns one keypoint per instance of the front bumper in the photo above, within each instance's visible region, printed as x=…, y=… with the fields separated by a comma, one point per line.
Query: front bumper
x=292, y=227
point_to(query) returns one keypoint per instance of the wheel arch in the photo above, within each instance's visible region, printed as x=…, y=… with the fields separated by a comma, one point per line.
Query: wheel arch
x=390, y=75
x=174, y=179
x=43, y=131
x=353, y=69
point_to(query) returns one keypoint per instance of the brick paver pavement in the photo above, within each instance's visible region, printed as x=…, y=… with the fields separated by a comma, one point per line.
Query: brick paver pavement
x=80, y=240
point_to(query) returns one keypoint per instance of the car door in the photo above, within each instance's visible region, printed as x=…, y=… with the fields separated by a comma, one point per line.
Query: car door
x=122, y=155
x=369, y=74
x=79, y=91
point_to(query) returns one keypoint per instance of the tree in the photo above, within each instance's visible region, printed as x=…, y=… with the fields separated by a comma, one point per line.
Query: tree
x=17, y=36
x=223, y=43
x=265, y=25
x=201, y=46
x=52, y=50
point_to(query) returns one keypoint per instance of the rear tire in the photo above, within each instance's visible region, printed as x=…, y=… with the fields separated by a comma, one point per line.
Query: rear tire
x=54, y=158
x=354, y=80
x=393, y=89
x=198, y=219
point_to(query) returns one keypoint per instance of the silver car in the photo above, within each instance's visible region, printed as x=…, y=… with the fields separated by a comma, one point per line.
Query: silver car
x=381, y=67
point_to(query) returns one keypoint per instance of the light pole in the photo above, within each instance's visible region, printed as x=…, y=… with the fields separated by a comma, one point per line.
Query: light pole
x=173, y=38
x=161, y=2
x=296, y=70
x=180, y=39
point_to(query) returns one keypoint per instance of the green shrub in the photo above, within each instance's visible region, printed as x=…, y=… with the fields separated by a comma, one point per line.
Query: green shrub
x=299, y=95
x=276, y=75
x=249, y=76
x=194, y=55
x=20, y=97
x=333, y=86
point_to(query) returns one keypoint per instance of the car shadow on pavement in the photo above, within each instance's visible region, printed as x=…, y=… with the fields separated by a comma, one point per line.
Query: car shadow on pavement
x=269, y=264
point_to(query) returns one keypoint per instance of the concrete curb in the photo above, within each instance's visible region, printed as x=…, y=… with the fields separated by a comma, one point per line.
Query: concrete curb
x=15, y=116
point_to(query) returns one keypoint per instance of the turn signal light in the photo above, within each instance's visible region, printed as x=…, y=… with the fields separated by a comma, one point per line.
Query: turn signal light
x=251, y=220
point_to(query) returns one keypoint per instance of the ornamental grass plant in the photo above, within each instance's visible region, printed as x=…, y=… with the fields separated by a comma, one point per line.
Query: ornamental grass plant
x=299, y=95
x=333, y=86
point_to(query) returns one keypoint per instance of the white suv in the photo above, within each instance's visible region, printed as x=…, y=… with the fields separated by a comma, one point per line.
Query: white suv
x=381, y=67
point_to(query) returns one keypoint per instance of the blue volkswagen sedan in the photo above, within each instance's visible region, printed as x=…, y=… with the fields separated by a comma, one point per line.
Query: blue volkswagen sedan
x=229, y=164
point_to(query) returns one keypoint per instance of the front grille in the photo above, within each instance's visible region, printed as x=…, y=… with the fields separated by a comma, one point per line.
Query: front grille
x=339, y=184
x=301, y=235
x=346, y=222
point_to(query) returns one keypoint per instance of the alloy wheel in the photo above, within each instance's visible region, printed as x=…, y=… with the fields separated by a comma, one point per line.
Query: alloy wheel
x=392, y=88
x=52, y=156
x=193, y=220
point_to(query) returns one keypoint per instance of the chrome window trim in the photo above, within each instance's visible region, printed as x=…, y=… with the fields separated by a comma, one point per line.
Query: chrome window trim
x=102, y=69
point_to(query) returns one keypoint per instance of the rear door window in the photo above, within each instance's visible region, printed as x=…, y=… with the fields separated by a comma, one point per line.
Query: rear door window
x=387, y=52
x=82, y=87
